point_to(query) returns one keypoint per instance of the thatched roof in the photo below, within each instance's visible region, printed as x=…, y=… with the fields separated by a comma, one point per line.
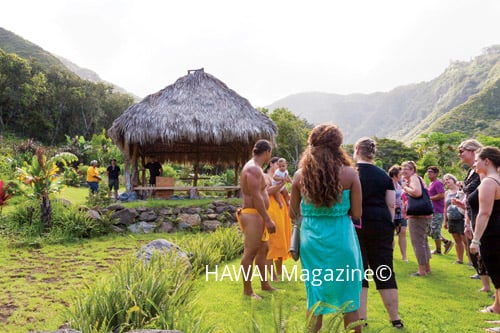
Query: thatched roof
x=196, y=119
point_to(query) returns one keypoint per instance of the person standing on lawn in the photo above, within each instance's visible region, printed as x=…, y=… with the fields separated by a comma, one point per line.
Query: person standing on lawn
x=436, y=194
x=453, y=217
x=326, y=192
x=279, y=242
x=485, y=206
x=113, y=172
x=400, y=223
x=93, y=179
x=467, y=153
x=376, y=236
x=255, y=222
x=419, y=225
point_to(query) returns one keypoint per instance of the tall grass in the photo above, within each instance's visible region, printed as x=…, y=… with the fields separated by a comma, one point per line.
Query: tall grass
x=156, y=294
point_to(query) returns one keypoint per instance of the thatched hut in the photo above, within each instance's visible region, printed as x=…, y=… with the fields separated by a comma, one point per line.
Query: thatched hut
x=198, y=119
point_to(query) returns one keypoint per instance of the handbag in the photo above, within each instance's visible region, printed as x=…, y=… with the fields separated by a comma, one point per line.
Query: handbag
x=420, y=206
x=294, y=249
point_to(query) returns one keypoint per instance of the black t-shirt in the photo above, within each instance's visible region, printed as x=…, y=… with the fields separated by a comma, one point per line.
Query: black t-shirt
x=471, y=183
x=154, y=169
x=113, y=173
x=374, y=184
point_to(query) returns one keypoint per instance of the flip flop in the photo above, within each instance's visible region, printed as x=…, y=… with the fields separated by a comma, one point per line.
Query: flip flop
x=488, y=309
x=493, y=329
x=492, y=321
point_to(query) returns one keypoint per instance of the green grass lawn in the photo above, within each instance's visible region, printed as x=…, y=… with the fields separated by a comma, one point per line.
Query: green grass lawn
x=36, y=285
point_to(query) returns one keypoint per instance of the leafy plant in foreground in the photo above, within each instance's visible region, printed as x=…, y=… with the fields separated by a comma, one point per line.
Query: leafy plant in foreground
x=156, y=294
x=41, y=174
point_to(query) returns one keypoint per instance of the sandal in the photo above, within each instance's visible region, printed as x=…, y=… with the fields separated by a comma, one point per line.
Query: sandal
x=488, y=309
x=397, y=324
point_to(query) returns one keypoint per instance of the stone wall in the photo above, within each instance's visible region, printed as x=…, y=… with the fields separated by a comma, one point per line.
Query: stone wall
x=168, y=219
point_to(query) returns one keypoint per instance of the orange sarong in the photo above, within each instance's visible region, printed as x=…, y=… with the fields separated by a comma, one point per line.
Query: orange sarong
x=239, y=211
x=279, y=242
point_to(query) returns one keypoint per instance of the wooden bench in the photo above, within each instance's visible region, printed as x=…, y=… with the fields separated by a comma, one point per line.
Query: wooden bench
x=192, y=190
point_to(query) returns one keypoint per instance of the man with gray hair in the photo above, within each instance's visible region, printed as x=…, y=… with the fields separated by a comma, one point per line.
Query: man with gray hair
x=93, y=179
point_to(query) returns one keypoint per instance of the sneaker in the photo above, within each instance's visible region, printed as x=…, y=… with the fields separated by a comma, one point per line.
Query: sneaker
x=475, y=277
x=436, y=252
x=447, y=246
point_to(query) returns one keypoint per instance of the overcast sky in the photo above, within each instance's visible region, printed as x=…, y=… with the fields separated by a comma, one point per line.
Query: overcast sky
x=263, y=49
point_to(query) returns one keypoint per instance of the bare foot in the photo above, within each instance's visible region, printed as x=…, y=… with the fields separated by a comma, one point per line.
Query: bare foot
x=254, y=296
x=268, y=288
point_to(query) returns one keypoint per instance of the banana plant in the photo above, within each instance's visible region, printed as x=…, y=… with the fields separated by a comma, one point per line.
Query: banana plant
x=42, y=175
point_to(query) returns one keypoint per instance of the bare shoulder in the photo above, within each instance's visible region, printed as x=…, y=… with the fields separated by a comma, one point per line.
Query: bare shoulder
x=297, y=176
x=489, y=185
x=348, y=176
x=348, y=173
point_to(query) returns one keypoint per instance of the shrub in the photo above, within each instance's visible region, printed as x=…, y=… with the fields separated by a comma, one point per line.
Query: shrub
x=68, y=223
x=230, y=242
x=203, y=252
x=159, y=293
x=24, y=221
x=71, y=176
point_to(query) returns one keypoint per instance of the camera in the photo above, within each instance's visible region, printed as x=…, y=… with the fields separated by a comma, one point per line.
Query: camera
x=398, y=210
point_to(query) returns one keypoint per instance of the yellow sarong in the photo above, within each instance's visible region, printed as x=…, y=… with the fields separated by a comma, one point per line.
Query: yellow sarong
x=239, y=211
x=279, y=242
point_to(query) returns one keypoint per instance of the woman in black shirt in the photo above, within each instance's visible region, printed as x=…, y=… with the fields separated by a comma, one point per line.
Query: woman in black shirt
x=376, y=235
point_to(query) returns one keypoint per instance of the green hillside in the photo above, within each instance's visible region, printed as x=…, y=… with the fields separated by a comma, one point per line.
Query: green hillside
x=11, y=43
x=479, y=115
x=408, y=111
x=463, y=98
x=42, y=99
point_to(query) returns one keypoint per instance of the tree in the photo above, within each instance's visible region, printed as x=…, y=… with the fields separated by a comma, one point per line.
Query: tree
x=41, y=175
x=439, y=149
x=391, y=152
x=292, y=135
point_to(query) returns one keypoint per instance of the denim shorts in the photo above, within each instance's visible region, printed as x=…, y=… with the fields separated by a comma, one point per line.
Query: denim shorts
x=94, y=186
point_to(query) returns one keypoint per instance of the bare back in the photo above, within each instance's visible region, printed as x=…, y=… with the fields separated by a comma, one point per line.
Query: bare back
x=253, y=186
x=348, y=178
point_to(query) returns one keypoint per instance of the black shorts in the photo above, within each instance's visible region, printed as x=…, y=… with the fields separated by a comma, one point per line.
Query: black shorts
x=456, y=226
x=113, y=184
x=377, y=253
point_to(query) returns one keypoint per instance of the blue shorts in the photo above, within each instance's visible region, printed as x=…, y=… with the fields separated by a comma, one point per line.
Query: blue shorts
x=94, y=186
x=400, y=223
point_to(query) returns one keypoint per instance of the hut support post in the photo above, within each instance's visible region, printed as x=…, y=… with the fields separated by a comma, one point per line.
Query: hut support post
x=195, y=171
x=143, y=173
x=135, y=172
x=126, y=172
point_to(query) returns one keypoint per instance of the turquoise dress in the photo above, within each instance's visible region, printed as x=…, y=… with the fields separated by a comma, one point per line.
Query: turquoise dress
x=332, y=268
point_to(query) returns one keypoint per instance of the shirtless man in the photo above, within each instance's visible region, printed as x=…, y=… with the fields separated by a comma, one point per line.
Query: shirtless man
x=254, y=221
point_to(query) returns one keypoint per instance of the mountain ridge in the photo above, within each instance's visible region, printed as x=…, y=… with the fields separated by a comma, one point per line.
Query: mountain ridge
x=404, y=112
x=13, y=43
x=465, y=88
